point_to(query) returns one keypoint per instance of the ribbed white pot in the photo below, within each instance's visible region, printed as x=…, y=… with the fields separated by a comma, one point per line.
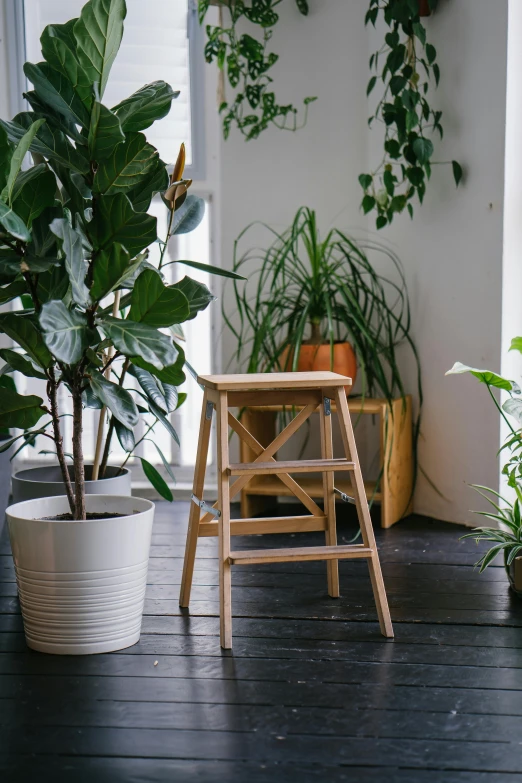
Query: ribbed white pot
x=81, y=584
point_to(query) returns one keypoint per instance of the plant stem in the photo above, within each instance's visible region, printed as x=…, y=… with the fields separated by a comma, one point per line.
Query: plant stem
x=101, y=421
x=52, y=390
x=107, y=448
x=168, y=237
x=79, y=466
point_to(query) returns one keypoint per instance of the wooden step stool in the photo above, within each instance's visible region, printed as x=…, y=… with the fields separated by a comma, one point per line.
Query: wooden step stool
x=312, y=390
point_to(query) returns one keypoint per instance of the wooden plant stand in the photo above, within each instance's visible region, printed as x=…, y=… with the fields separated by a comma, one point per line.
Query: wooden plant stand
x=311, y=391
x=393, y=491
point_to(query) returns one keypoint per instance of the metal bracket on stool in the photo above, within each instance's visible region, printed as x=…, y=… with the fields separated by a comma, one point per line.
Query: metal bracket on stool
x=205, y=507
x=209, y=410
x=327, y=406
x=344, y=496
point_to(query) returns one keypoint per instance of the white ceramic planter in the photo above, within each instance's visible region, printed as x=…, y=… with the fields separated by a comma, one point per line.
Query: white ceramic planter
x=46, y=481
x=81, y=584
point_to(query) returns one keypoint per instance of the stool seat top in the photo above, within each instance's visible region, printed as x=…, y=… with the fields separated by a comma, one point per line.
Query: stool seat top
x=273, y=380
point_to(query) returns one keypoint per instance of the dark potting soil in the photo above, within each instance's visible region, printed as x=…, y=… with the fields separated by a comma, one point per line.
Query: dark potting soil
x=90, y=515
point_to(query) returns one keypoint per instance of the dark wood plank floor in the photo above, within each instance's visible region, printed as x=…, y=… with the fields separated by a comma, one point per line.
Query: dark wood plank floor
x=311, y=692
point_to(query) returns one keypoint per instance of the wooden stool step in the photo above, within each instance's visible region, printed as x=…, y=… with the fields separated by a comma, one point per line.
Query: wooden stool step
x=301, y=553
x=291, y=466
x=316, y=391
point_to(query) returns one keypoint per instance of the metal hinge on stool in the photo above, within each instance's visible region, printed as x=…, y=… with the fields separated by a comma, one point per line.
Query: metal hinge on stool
x=205, y=507
x=344, y=496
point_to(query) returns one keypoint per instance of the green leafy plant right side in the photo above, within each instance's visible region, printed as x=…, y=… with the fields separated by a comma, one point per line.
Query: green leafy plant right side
x=407, y=67
x=506, y=539
x=246, y=62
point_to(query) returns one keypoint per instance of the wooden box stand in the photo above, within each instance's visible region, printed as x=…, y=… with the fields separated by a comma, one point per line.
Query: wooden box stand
x=393, y=490
x=311, y=392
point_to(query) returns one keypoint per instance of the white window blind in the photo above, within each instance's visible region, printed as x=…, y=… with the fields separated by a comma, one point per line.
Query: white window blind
x=155, y=46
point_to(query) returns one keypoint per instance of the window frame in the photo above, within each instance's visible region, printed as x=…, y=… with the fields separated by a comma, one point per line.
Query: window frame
x=16, y=53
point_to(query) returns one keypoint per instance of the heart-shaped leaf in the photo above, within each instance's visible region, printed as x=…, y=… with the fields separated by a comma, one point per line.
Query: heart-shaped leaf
x=198, y=295
x=98, y=34
x=74, y=258
x=13, y=224
x=105, y=132
x=135, y=339
x=18, y=410
x=21, y=329
x=116, y=221
x=118, y=400
x=126, y=166
x=143, y=107
x=484, y=376
x=156, y=304
x=65, y=331
x=21, y=363
x=34, y=190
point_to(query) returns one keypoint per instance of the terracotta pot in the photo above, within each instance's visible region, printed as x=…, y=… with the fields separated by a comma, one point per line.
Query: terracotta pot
x=314, y=358
x=424, y=8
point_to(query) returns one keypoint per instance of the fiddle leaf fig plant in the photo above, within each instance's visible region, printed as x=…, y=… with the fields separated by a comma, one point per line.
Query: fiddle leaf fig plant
x=407, y=67
x=246, y=63
x=93, y=311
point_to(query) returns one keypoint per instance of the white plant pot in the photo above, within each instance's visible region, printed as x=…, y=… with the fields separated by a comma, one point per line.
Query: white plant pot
x=81, y=584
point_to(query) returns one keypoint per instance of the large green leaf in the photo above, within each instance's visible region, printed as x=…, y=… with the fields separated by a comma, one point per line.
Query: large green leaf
x=116, y=221
x=98, y=34
x=43, y=241
x=118, y=400
x=105, y=132
x=6, y=152
x=14, y=264
x=21, y=363
x=484, y=376
x=18, y=410
x=13, y=224
x=53, y=284
x=157, y=481
x=111, y=268
x=126, y=166
x=57, y=121
x=34, y=190
x=125, y=436
x=189, y=215
x=198, y=295
x=48, y=141
x=59, y=50
x=21, y=150
x=12, y=291
x=156, y=304
x=150, y=386
x=211, y=270
x=65, y=331
x=55, y=89
x=74, y=259
x=135, y=339
x=21, y=329
x=155, y=181
x=143, y=107
x=172, y=375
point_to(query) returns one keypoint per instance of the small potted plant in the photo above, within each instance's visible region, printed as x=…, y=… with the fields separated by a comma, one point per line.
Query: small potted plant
x=317, y=303
x=506, y=537
x=74, y=234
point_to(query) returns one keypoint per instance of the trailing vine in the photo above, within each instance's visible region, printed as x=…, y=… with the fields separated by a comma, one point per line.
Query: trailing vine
x=408, y=69
x=246, y=63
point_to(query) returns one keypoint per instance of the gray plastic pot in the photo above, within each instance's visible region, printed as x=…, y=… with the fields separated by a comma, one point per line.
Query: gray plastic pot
x=45, y=482
x=5, y=480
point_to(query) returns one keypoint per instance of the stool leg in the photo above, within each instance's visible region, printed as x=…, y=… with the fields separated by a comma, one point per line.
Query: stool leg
x=225, y=581
x=194, y=514
x=363, y=512
x=332, y=566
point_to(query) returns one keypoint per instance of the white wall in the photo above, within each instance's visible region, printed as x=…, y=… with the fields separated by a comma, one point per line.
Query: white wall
x=452, y=251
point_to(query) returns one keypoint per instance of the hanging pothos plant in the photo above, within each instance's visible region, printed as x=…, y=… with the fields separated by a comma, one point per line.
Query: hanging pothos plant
x=407, y=66
x=245, y=62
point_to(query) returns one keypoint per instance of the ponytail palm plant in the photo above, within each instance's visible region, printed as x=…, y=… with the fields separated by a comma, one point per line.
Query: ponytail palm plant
x=322, y=289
